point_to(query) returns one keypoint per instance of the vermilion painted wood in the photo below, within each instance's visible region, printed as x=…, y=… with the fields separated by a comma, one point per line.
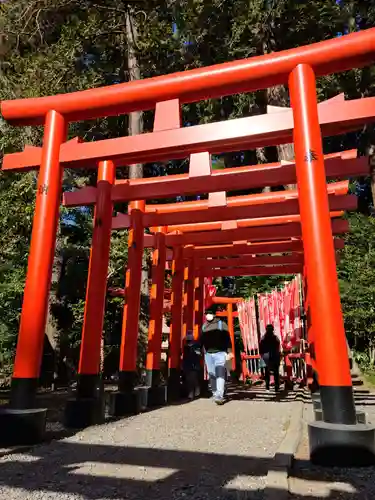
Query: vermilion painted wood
x=156, y=302
x=254, y=271
x=246, y=261
x=239, y=249
x=231, y=333
x=263, y=233
x=338, y=166
x=335, y=188
x=262, y=221
x=133, y=280
x=237, y=224
x=176, y=309
x=330, y=341
x=189, y=276
x=42, y=251
x=224, y=314
x=231, y=135
x=89, y=362
x=198, y=306
x=226, y=300
x=247, y=75
x=255, y=209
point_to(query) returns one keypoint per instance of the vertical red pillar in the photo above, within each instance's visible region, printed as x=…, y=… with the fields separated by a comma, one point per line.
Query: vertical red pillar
x=311, y=368
x=231, y=333
x=184, y=302
x=156, y=309
x=189, y=291
x=38, y=279
x=198, y=306
x=133, y=280
x=89, y=363
x=326, y=315
x=174, y=359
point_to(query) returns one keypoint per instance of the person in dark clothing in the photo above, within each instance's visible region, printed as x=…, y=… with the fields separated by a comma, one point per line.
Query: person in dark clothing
x=191, y=365
x=216, y=342
x=269, y=349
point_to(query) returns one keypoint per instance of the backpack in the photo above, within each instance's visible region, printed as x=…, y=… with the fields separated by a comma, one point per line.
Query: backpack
x=220, y=324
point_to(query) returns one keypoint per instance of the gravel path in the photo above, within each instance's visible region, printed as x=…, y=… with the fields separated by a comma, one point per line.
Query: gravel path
x=190, y=451
x=339, y=483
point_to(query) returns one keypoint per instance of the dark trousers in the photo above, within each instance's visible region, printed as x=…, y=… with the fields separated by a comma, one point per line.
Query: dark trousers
x=274, y=368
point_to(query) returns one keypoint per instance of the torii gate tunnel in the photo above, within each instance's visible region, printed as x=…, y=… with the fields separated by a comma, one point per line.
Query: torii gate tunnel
x=242, y=224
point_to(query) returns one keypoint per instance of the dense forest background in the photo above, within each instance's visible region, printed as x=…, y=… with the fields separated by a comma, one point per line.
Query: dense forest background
x=58, y=46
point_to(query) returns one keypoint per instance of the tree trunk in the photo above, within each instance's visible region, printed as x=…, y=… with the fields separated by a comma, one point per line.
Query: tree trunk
x=51, y=330
x=275, y=98
x=278, y=98
x=135, y=127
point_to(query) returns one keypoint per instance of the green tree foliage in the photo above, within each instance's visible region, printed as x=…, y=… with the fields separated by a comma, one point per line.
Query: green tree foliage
x=357, y=284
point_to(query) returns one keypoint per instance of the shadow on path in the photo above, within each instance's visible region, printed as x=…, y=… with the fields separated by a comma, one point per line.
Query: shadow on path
x=103, y=472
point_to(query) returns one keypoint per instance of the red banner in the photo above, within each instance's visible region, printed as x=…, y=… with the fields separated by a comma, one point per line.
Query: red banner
x=209, y=292
x=248, y=325
x=282, y=309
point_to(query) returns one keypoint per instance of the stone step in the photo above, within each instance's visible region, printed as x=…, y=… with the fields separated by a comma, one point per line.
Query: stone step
x=359, y=392
x=357, y=382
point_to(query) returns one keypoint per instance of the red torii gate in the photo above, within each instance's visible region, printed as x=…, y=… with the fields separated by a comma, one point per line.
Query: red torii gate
x=305, y=123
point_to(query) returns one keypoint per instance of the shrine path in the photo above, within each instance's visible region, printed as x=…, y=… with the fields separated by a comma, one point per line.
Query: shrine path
x=188, y=451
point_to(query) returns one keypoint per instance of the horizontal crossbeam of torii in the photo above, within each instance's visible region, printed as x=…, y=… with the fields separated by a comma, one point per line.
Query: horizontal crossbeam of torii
x=350, y=204
x=338, y=166
x=249, y=261
x=246, y=75
x=263, y=233
x=204, y=219
x=267, y=230
x=336, y=116
x=244, y=248
x=253, y=271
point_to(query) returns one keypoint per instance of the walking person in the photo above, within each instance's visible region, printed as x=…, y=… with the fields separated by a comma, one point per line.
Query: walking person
x=269, y=349
x=191, y=365
x=216, y=342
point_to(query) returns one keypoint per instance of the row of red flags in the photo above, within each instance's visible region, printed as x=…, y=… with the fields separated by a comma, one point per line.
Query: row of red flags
x=209, y=292
x=280, y=308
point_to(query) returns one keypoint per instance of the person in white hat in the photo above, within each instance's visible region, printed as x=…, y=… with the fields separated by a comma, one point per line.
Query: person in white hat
x=216, y=342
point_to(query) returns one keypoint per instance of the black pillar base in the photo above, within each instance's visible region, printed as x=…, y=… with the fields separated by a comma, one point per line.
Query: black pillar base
x=87, y=406
x=157, y=396
x=22, y=427
x=127, y=381
x=341, y=445
x=338, y=404
x=174, y=385
x=143, y=397
x=84, y=412
x=23, y=393
x=361, y=416
x=153, y=378
x=122, y=404
x=89, y=386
